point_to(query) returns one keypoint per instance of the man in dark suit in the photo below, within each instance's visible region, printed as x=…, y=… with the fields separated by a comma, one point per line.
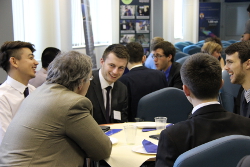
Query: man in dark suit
x=163, y=56
x=238, y=66
x=109, y=96
x=202, y=79
x=140, y=80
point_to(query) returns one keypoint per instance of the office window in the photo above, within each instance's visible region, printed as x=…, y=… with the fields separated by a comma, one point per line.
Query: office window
x=100, y=11
x=178, y=19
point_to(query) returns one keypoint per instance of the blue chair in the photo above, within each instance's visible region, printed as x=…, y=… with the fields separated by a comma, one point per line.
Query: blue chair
x=190, y=43
x=181, y=45
x=182, y=60
x=228, y=92
x=223, y=152
x=225, y=44
x=179, y=55
x=169, y=102
x=192, y=49
x=232, y=41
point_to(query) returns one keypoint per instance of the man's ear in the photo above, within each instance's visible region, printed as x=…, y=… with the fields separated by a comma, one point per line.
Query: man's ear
x=13, y=62
x=170, y=57
x=101, y=61
x=144, y=59
x=248, y=64
x=186, y=90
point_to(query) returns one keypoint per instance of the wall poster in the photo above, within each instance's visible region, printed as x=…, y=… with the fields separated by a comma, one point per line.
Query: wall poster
x=135, y=22
x=209, y=20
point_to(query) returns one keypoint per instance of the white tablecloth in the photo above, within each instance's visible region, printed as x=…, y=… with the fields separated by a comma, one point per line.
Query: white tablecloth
x=122, y=154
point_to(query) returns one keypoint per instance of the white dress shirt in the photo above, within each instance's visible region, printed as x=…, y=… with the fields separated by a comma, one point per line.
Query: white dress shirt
x=11, y=96
x=105, y=84
x=204, y=104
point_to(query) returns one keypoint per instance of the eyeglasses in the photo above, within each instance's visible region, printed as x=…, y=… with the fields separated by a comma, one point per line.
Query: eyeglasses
x=157, y=56
x=91, y=78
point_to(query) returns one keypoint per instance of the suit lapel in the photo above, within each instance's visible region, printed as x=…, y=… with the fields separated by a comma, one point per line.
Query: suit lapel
x=98, y=91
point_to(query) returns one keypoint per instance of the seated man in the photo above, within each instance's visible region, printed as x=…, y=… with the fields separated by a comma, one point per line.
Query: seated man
x=238, y=67
x=164, y=53
x=17, y=59
x=140, y=80
x=108, y=95
x=48, y=56
x=202, y=79
x=149, y=63
x=54, y=126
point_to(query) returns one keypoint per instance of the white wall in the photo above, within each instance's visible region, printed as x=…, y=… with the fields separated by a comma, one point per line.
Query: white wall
x=190, y=25
x=6, y=28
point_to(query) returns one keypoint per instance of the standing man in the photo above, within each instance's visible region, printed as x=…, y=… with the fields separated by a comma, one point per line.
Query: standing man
x=140, y=80
x=202, y=80
x=48, y=56
x=109, y=96
x=246, y=35
x=164, y=53
x=238, y=67
x=17, y=59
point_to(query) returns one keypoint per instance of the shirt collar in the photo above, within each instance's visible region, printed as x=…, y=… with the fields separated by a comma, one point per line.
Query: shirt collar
x=204, y=104
x=247, y=95
x=15, y=84
x=167, y=71
x=139, y=65
x=103, y=82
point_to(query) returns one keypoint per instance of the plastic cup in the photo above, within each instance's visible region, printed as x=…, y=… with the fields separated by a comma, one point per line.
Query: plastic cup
x=130, y=134
x=160, y=123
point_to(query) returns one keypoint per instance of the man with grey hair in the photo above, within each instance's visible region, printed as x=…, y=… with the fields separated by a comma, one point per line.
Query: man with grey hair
x=54, y=126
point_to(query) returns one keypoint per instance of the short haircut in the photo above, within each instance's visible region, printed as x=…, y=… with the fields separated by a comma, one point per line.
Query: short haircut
x=48, y=56
x=202, y=74
x=243, y=49
x=155, y=41
x=211, y=47
x=248, y=8
x=167, y=47
x=214, y=39
x=118, y=49
x=135, y=51
x=12, y=49
x=68, y=69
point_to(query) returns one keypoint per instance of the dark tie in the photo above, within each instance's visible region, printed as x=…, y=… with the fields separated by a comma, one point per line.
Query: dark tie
x=107, y=103
x=26, y=92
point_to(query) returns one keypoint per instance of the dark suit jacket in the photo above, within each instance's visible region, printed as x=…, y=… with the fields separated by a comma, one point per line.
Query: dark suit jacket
x=141, y=81
x=119, y=101
x=244, y=162
x=174, y=78
x=242, y=106
x=206, y=124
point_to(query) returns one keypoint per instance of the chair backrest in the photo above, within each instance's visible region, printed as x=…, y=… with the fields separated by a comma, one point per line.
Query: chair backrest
x=192, y=49
x=181, y=45
x=168, y=102
x=179, y=55
x=228, y=92
x=182, y=60
x=223, y=152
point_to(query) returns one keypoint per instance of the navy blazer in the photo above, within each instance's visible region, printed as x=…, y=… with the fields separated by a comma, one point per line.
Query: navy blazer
x=174, y=78
x=206, y=124
x=119, y=100
x=141, y=81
